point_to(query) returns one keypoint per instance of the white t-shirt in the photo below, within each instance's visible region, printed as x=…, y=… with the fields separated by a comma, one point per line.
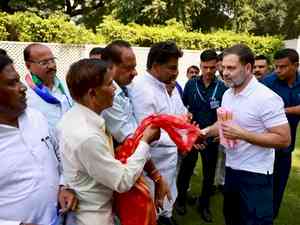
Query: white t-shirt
x=255, y=109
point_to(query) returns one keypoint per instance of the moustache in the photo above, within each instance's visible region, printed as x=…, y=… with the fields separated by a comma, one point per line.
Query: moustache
x=51, y=70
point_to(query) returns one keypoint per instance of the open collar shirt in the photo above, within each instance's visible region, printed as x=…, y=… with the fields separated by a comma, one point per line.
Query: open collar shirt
x=90, y=167
x=149, y=96
x=119, y=118
x=53, y=112
x=29, y=175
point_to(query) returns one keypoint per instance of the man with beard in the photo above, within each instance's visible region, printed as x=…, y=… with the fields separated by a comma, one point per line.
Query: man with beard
x=192, y=72
x=285, y=81
x=259, y=125
x=202, y=96
x=149, y=96
x=46, y=92
x=261, y=67
x=29, y=175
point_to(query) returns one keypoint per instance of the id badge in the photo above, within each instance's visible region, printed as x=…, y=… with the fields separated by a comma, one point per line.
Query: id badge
x=214, y=104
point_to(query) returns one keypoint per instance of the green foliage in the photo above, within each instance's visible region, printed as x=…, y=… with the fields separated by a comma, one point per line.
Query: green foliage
x=141, y=35
x=3, y=31
x=57, y=28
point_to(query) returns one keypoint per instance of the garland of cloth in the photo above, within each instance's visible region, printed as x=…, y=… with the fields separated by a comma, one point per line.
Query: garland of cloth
x=136, y=207
x=36, y=84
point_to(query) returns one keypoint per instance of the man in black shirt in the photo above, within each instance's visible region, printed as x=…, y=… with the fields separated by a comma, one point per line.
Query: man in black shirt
x=202, y=96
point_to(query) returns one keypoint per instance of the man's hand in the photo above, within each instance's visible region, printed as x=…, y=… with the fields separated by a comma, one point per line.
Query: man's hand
x=67, y=199
x=151, y=134
x=232, y=131
x=161, y=191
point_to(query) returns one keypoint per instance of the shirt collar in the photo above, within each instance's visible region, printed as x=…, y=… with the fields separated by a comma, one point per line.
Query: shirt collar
x=296, y=82
x=155, y=80
x=94, y=119
x=118, y=90
x=214, y=80
x=251, y=86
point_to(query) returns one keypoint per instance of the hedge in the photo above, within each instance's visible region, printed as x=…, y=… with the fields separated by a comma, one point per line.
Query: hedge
x=141, y=35
x=25, y=26
x=57, y=28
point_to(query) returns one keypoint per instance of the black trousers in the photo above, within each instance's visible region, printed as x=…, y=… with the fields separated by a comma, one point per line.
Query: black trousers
x=248, y=198
x=187, y=165
x=209, y=159
x=282, y=168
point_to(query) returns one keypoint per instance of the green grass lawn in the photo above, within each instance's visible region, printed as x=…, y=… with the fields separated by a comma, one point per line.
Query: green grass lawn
x=290, y=207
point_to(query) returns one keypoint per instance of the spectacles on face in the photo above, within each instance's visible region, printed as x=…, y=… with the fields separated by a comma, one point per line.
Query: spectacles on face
x=44, y=62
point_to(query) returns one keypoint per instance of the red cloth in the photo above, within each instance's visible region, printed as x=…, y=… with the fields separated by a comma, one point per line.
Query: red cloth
x=136, y=206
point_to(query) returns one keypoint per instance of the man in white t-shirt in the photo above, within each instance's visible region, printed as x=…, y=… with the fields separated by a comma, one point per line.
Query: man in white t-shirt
x=259, y=125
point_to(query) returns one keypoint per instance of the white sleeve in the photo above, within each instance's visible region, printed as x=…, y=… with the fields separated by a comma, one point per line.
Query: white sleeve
x=94, y=155
x=272, y=112
x=145, y=103
x=9, y=222
x=180, y=108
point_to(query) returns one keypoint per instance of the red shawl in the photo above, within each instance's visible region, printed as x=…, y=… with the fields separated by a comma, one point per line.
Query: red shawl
x=136, y=206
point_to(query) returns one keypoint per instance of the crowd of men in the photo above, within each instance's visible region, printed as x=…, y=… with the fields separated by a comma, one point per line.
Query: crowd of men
x=57, y=138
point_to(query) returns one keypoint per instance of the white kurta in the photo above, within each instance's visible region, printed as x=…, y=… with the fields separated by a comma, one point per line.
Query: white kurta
x=29, y=176
x=150, y=96
x=90, y=167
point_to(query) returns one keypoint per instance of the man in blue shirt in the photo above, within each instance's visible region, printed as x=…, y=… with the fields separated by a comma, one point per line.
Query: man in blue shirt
x=119, y=119
x=285, y=81
x=202, y=96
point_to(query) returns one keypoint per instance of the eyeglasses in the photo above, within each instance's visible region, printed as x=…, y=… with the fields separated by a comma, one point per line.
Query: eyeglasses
x=44, y=62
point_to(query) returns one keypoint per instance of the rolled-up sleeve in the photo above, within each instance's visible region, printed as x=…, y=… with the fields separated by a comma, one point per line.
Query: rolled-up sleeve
x=100, y=164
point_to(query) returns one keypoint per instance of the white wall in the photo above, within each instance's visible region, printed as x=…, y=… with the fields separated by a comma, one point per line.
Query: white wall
x=67, y=54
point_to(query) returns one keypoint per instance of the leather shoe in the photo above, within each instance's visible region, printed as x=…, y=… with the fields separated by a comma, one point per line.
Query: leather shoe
x=162, y=220
x=206, y=215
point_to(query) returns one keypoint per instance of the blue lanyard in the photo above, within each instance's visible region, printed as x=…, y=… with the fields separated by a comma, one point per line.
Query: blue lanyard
x=213, y=95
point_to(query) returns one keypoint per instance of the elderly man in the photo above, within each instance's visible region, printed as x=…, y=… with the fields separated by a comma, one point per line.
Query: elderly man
x=149, y=95
x=285, y=81
x=87, y=152
x=46, y=92
x=29, y=175
x=259, y=125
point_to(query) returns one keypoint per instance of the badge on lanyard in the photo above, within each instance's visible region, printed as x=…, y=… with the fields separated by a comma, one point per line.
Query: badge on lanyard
x=214, y=104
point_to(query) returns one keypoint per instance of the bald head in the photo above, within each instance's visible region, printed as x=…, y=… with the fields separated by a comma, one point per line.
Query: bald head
x=40, y=61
